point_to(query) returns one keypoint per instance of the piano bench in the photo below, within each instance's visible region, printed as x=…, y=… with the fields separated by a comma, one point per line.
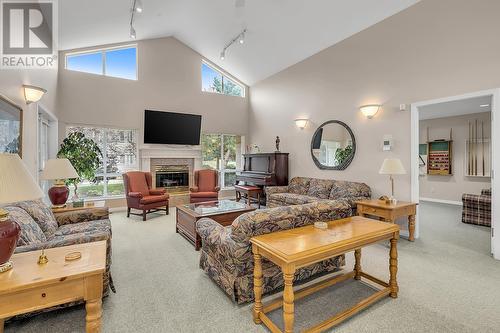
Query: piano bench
x=248, y=192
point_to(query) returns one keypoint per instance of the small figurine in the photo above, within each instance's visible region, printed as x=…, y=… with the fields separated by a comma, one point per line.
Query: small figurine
x=277, y=144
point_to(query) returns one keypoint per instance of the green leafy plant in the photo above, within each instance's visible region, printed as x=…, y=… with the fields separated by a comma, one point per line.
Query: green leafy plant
x=342, y=154
x=84, y=155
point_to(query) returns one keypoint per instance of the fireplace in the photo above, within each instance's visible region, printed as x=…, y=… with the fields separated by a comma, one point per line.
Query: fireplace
x=174, y=178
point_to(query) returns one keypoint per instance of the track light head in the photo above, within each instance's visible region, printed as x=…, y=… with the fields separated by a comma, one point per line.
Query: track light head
x=133, y=35
x=242, y=38
x=223, y=55
x=138, y=6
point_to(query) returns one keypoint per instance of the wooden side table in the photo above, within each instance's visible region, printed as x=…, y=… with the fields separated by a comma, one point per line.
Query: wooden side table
x=69, y=206
x=390, y=212
x=30, y=287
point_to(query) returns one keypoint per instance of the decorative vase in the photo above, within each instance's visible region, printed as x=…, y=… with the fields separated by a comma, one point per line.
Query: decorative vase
x=58, y=194
x=9, y=235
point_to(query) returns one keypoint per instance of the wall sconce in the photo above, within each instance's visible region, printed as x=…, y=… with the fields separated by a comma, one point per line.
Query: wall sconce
x=301, y=123
x=369, y=110
x=33, y=94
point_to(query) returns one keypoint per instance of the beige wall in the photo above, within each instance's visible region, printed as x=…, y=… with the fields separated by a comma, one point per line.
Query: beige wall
x=169, y=79
x=11, y=82
x=452, y=187
x=433, y=49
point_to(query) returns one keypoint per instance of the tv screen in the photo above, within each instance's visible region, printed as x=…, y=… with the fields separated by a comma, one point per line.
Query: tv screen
x=171, y=128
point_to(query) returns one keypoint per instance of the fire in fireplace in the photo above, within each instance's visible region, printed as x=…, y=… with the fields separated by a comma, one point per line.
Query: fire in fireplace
x=174, y=178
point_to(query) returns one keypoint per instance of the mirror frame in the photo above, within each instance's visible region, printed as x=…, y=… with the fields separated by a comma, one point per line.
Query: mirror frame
x=14, y=105
x=348, y=160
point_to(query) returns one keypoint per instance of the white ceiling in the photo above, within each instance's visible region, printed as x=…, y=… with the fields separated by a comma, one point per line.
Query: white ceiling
x=280, y=32
x=455, y=108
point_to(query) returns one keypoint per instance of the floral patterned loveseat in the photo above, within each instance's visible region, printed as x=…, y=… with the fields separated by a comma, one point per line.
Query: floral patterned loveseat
x=303, y=190
x=226, y=253
x=41, y=229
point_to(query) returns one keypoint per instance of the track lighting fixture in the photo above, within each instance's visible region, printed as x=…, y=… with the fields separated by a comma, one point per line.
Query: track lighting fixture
x=136, y=9
x=240, y=39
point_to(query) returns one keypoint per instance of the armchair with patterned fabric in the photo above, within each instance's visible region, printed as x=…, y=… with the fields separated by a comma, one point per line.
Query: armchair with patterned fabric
x=141, y=196
x=477, y=208
x=206, y=186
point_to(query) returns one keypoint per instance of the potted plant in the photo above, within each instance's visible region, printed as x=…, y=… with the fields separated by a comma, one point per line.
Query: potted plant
x=84, y=155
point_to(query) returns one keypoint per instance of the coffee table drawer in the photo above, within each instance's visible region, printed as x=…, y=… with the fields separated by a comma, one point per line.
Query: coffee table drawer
x=40, y=298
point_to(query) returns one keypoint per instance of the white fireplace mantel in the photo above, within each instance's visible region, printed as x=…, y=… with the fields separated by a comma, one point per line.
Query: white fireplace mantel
x=146, y=153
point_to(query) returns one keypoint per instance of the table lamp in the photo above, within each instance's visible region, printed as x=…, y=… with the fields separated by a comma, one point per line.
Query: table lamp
x=16, y=184
x=392, y=166
x=58, y=169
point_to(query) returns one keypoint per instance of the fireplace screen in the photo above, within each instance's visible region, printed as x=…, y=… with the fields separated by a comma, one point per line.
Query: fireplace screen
x=172, y=177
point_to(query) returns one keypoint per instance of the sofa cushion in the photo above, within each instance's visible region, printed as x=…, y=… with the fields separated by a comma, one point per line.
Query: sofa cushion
x=345, y=189
x=320, y=188
x=42, y=214
x=84, y=227
x=299, y=185
x=30, y=231
x=292, y=199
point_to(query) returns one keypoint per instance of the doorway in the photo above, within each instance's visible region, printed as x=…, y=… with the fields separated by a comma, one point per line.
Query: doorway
x=444, y=165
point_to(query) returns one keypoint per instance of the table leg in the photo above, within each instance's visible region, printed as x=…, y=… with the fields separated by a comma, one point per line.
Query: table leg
x=1, y=325
x=288, y=297
x=257, y=286
x=357, y=265
x=393, y=267
x=411, y=227
x=93, y=318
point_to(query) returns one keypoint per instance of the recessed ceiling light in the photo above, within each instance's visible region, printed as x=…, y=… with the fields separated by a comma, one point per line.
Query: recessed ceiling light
x=484, y=105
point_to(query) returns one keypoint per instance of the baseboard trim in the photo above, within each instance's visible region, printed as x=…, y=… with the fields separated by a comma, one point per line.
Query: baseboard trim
x=448, y=202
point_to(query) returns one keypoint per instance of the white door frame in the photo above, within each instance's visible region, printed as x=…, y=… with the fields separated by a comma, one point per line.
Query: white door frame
x=495, y=161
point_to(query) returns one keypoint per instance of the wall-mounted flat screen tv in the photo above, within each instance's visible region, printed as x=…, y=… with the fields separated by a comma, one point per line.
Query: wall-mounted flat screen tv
x=171, y=128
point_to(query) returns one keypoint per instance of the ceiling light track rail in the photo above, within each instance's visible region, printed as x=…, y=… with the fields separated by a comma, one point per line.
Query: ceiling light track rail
x=240, y=39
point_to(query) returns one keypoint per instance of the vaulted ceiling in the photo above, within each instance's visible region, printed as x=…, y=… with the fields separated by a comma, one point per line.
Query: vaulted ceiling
x=280, y=32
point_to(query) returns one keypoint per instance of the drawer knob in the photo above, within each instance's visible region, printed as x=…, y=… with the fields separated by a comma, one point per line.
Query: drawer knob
x=43, y=294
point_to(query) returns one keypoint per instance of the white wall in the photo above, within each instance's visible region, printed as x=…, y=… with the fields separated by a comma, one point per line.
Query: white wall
x=452, y=187
x=169, y=75
x=11, y=82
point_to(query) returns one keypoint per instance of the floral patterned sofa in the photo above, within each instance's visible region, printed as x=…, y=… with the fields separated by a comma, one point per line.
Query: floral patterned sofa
x=41, y=229
x=303, y=190
x=226, y=253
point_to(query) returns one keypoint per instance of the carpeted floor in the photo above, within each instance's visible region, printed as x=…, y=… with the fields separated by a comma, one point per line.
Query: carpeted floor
x=448, y=283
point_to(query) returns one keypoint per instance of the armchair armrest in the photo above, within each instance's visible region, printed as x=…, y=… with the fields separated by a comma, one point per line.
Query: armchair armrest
x=217, y=188
x=65, y=241
x=194, y=189
x=82, y=215
x=157, y=192
x=134, y=194
x=216, y=240
x=276, y=189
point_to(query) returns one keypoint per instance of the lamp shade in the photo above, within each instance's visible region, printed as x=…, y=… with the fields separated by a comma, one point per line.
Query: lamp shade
x=392, y=166
x=58, y=168
x=33, y=94
x=16, y=183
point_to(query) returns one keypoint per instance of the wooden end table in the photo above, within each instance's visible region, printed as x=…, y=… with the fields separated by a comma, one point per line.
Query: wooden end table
x=300, y=247
x=390, y=212
x=222, y=211
x=69, y=206
x=29, y=287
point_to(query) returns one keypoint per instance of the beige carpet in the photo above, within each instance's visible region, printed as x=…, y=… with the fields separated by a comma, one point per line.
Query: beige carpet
x=448, y=283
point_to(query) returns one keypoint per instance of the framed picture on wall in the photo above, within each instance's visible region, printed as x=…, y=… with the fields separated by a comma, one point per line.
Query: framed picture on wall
x=11, y=127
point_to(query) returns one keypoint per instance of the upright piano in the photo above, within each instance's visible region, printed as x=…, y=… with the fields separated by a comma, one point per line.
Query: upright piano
x=264, y=169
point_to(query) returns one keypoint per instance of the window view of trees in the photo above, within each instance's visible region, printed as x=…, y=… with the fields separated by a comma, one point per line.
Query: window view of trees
x=119, y=149
x=214, y=81
x=221, y=152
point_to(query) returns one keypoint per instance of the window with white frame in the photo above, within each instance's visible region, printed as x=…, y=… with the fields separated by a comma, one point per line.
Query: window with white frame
x=119, y=155
x=222, y=152
x=214, y=81
x=119, y=62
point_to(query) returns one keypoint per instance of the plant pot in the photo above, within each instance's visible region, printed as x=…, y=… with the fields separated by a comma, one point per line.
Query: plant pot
x=9, y=235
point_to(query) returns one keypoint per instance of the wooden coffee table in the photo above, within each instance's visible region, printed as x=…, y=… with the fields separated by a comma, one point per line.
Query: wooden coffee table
x=222, y=211
x=29, y=287
x=300, y=247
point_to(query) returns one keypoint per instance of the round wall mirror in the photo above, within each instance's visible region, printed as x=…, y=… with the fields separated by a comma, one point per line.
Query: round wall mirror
x=333, y=146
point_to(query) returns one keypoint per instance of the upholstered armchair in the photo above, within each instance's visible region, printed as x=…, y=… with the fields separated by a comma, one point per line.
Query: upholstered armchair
x=141, y=196
x=206, y=186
